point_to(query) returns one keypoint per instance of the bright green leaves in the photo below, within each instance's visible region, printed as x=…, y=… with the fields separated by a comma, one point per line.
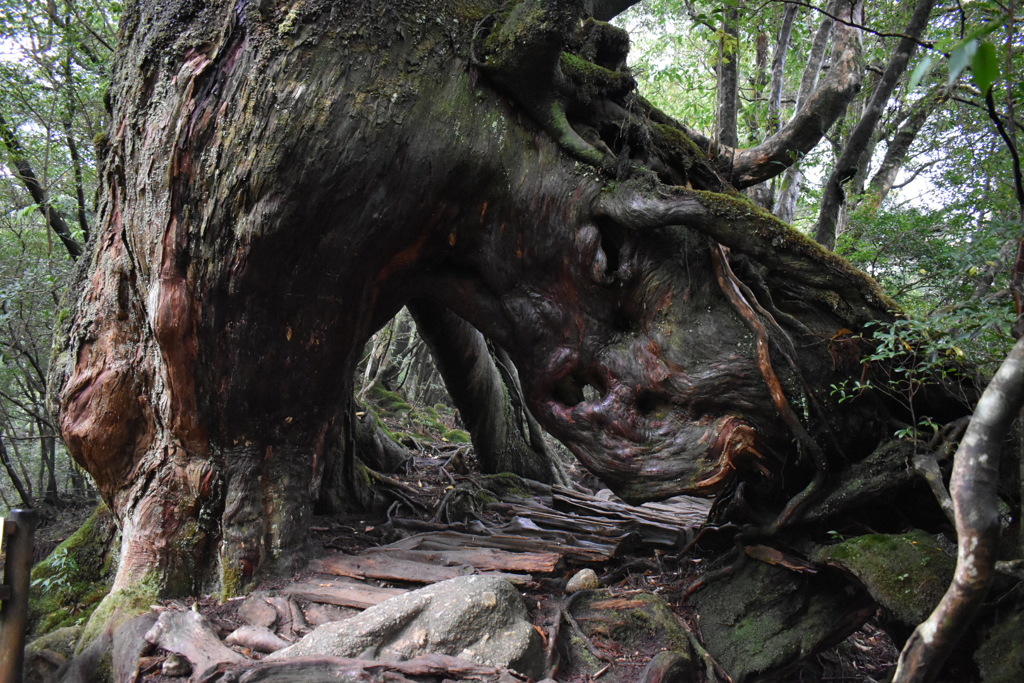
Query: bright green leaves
x=980, y=56
x=974, y=52
x=985, y=67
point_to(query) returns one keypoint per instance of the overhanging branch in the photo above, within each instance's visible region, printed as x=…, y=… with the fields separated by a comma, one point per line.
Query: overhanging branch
x=739, y=225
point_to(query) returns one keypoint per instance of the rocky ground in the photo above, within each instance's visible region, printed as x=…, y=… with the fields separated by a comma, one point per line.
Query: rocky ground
x=446, y=521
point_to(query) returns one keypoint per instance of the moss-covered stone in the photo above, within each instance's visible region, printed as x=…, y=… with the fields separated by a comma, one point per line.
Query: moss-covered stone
x=636, y=623
x=1000, y=658
x=456, y=436
x=906, y=574
x=40, y=665
x=69, y=584
x=390, y=401
x=762, y=618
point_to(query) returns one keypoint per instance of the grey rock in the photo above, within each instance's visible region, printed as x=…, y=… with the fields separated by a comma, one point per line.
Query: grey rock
x=318, y=615
x=259, y=638
x=478, y=618
x=584, y=579
x=175, y=666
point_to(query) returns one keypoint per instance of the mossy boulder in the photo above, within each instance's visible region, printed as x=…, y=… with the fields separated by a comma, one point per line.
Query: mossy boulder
x=46, y=654
x=390, y=402
x=69, y=584
x=637, y=623
x=907, y=574
x=762, y=617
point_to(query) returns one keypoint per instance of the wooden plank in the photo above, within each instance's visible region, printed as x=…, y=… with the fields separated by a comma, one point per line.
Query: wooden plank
x=358, y=595
x=386, y=566
x=482, y=559
x=566, y=545
x=381, y=566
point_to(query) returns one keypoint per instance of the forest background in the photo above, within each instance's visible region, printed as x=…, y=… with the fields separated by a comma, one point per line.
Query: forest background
x=925, y=160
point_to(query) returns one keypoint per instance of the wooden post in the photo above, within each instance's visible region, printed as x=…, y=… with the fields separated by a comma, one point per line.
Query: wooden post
x=18, y=533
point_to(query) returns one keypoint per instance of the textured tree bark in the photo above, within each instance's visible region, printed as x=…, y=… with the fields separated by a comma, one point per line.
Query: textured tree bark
x=281, y=179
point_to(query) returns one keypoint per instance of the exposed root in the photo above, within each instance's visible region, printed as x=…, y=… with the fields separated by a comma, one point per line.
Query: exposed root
x=732, y=288
x=400, y=492
x=711, y=577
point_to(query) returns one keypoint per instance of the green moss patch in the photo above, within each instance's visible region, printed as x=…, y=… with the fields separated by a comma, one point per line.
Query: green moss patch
x=69, y=584
x=906, y=574
x=763, y=618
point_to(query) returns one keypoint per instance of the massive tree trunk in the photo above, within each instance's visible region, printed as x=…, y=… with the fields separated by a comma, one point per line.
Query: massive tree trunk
x=281, y=179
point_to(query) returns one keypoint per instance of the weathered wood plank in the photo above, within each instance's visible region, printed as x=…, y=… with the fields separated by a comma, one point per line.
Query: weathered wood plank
x=358, y=595
x=381, y=566
x=564, y=544
x=483, y=559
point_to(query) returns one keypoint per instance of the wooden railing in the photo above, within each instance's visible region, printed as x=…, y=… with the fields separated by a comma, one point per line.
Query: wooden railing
x=17, y=534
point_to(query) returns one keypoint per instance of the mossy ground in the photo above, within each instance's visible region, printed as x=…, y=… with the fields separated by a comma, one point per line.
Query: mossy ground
x=638, y=622
x=408, y=423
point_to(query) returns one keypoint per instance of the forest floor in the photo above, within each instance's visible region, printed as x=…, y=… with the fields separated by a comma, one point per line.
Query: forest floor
x=441, y=492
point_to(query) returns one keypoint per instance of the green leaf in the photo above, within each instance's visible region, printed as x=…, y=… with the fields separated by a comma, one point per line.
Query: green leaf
x=26, y=211
x=923, y=68
x=960, y=59
x=985, y=67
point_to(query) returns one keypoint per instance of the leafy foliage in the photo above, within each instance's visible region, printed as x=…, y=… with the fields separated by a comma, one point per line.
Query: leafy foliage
x=53, y=61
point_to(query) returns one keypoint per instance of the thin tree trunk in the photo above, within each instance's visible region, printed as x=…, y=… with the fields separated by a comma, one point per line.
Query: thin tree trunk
x=778, y=78
x=19, y=486
x=728, y=71
x=789, y=192
x=76, y=159
x=896, y=151
x=23, y=170
x=48, y=456
x=972, y=485
x=853, y=153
